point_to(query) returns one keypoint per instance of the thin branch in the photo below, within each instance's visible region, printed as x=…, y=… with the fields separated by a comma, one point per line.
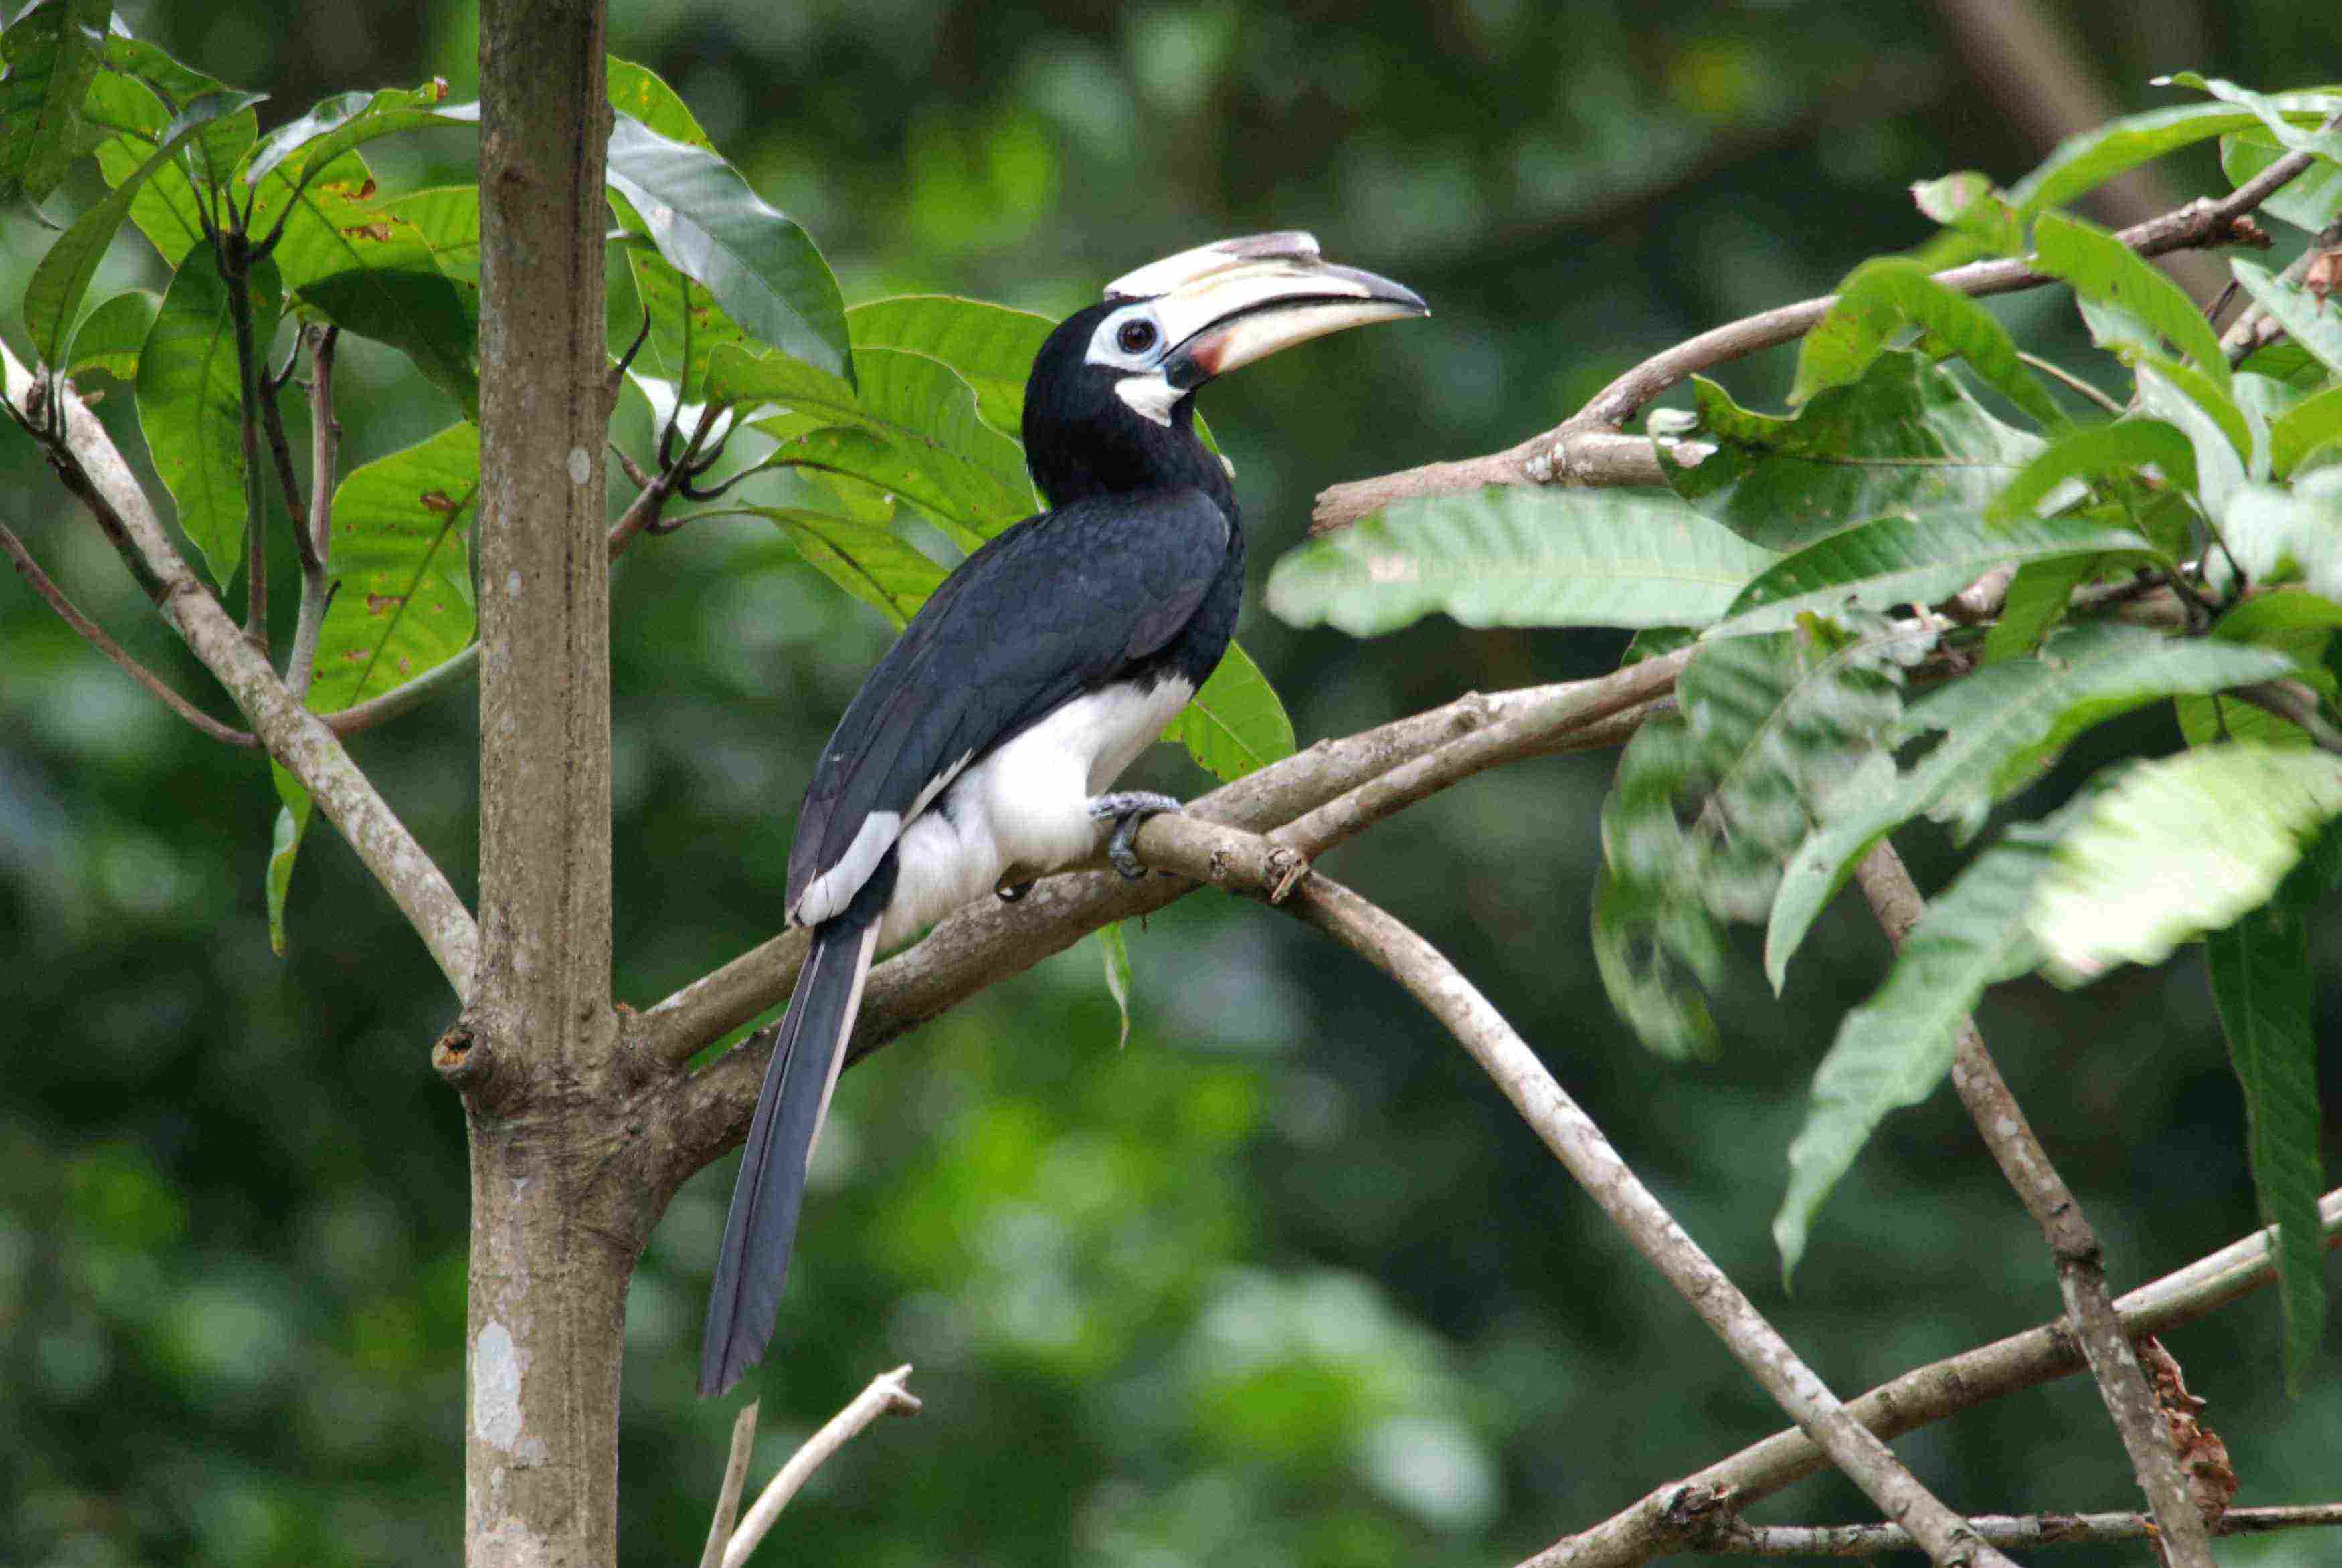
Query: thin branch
x=235, y=267
x=280, y=449
x=2294, y=702
x=1732, y=1537
x=735, y=1477
x=2059, y=373
x=94, y=470
x=2072, y=1244
x=886, y=1395
x=2245, y=334
x=1201, y=849
x=95, y=635
x=314, y=530
x=1584, y=448
x=1661, y=1522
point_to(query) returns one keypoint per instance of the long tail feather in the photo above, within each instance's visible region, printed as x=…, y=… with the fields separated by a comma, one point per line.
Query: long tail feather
x=761, y=1229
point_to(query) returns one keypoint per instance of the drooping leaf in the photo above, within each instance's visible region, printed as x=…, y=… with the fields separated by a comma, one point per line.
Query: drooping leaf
x=53, y=295
x=52, y=52
x=2138, y=873
x=1893, y=1050
x=2220, y=448
x=869, y=563
x=191, y=401
x=1772, y=735
x=1899, y=561
x=2126, y=302
x=2261, y=982
x=1510, y=557
x=1236, y=722
x=2002, y=726
x=110, y=337
x=2082, y=162
x=991, y=346
x=2312, y=323
x=1906, y=438
x=638, y=91
x=2308, y=425
x=2122, y=448
x=2311, y=199
x=350, y=120
x=2299, y=625
x=402, y=525
x=705, y=218
x=1888, y=292
x=293, y=814
x=1114, y=947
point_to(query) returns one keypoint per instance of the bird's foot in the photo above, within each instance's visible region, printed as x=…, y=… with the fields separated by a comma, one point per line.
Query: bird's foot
x=1128, y=808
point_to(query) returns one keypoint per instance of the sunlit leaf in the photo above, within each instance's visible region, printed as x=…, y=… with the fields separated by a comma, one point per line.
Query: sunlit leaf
x=350, y=120
x=52, y=54
x=1907, y=438
x=1513, y=557
x=448, y=219
x=190, y=403
x=2220, y=446
x=402, y=525
x=2138, y=873
x=1236, y=722
x=109, y=338
x=639, y=91
x=760, y=265
x=2122, y=448
x=2126, y=302
x=2084, y=162
x=2001, y=728
x=991, y=346
x=1899, y=561
x=1884, y=294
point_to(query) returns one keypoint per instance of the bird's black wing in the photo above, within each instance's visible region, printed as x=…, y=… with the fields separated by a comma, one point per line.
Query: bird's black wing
x=1059, y=603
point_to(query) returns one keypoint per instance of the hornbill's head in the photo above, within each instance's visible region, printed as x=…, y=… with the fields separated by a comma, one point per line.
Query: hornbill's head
x=1109, y=406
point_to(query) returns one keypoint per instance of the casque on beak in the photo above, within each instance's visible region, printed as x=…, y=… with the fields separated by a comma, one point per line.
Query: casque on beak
x=1229, y=303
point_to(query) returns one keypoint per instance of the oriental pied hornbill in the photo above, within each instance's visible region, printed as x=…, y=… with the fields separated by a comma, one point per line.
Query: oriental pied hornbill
x=975, y=755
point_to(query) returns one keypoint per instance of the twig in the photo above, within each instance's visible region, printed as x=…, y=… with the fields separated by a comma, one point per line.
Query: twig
x=95, y=635
x=1585, y=448
x=1732, y=1537
x=280, y=449
x=1193, y=848
x=886, y=1394
x=1656, y=1524
x=314, y=531
x=2072, y=1244
x=2073, y=383
x=236, y=268
x=94, y=470
x=2242, y=335
x=735, y=1477
x=2294, y=701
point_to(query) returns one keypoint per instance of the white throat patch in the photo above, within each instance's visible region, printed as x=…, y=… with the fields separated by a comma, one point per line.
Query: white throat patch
x=1149, y=395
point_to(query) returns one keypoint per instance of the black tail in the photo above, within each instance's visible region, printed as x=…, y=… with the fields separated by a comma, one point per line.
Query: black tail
x=762, y=1224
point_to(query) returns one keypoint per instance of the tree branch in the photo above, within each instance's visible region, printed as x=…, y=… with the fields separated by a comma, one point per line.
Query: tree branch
x=885, y=1395
x=2080, y=1260
x=735, y=1477
x=1587, y=448
x=94, y=470
x=1732, y=1537
x=1662, y=1522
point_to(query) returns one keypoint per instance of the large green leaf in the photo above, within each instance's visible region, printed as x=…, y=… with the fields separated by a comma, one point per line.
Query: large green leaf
x=639, y=91
x=870, y=563
x=2138, y=873
x=53, y=295
x=1907, y=438
x=2311, y=322
x=990, y=345
x=760, y=265
x=2220, y=446
x=52, y=52
x=2122, y=448
x=2001, y=728
x=1510, y=557
x=448, y=219
x=401, y=529
x=688, y=326
x=1893, y=1050
x=350, y=120
x=2261, y=982
x=1236, y=722
x=191, y=401
x=2080, y=163
x=2302, y=429
x=109, y=338
x=1888, y=292
x=2311, y=199
x=1771, y=735
x=2126, y=302
x=2036, y=600
x=1899, y=561
x=2299, y=625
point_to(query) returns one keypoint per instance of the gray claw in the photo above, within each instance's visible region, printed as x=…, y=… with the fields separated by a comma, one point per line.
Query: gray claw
x=1128, y=808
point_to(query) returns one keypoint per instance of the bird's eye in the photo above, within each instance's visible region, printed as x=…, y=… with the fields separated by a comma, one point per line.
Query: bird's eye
x=1136, y=336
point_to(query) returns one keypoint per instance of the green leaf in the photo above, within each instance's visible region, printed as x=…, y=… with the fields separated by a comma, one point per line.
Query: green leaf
x=110, y=337
x=1887, y=292
x=2278, y=535
x=2122, y=448
x=687, y=325
x=2310, y=322
x=2036, y=599
x=991, y=346
x=2137, y=306
x=1898, y=561
x=1771, y=735
x=869, y=563
x=760, y=264
x=1114, y=947
x=351, y=120
x=2308, y=424
x=2139, y=874
x=2002, y=726
x=190, y=403
x=2276, y=113
x=2220, y=445
x=639, y=91
x=53, y=295
x=446, y=218
x=52, y=52
x=1512, y=557
x=1236, y=722
x=135, y=57
x=2311, y=199
x=1893, y=1050
x=404, y=605
x=2261, y=982
x=1907, y=438
x=2080, y=163
x=2301, y=627
x=1967, y=203
x=284, y=846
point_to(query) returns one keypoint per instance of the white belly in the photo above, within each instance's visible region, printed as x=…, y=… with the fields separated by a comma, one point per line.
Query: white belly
x=1025, y=807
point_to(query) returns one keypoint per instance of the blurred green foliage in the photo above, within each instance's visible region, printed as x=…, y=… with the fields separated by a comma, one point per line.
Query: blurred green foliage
x=1281, y=1282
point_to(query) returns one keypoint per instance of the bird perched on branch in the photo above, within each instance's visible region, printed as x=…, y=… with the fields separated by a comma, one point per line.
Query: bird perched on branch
x=979, y=751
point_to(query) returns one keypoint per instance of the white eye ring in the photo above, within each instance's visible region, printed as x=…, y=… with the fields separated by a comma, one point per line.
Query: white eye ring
x=1130, y=339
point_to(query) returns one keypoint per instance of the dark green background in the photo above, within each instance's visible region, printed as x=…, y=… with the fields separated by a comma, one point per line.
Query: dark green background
x=1284, y=1281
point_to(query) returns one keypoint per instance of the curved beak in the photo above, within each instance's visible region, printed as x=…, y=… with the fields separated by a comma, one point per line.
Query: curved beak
x=1227, y=303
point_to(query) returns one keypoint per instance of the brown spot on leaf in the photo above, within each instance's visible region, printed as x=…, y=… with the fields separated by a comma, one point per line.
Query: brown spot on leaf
x=437, y=501
x=2324, y=276
x=355, y=655
x=384, y=603
x=377, y=232
x=405, y=665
